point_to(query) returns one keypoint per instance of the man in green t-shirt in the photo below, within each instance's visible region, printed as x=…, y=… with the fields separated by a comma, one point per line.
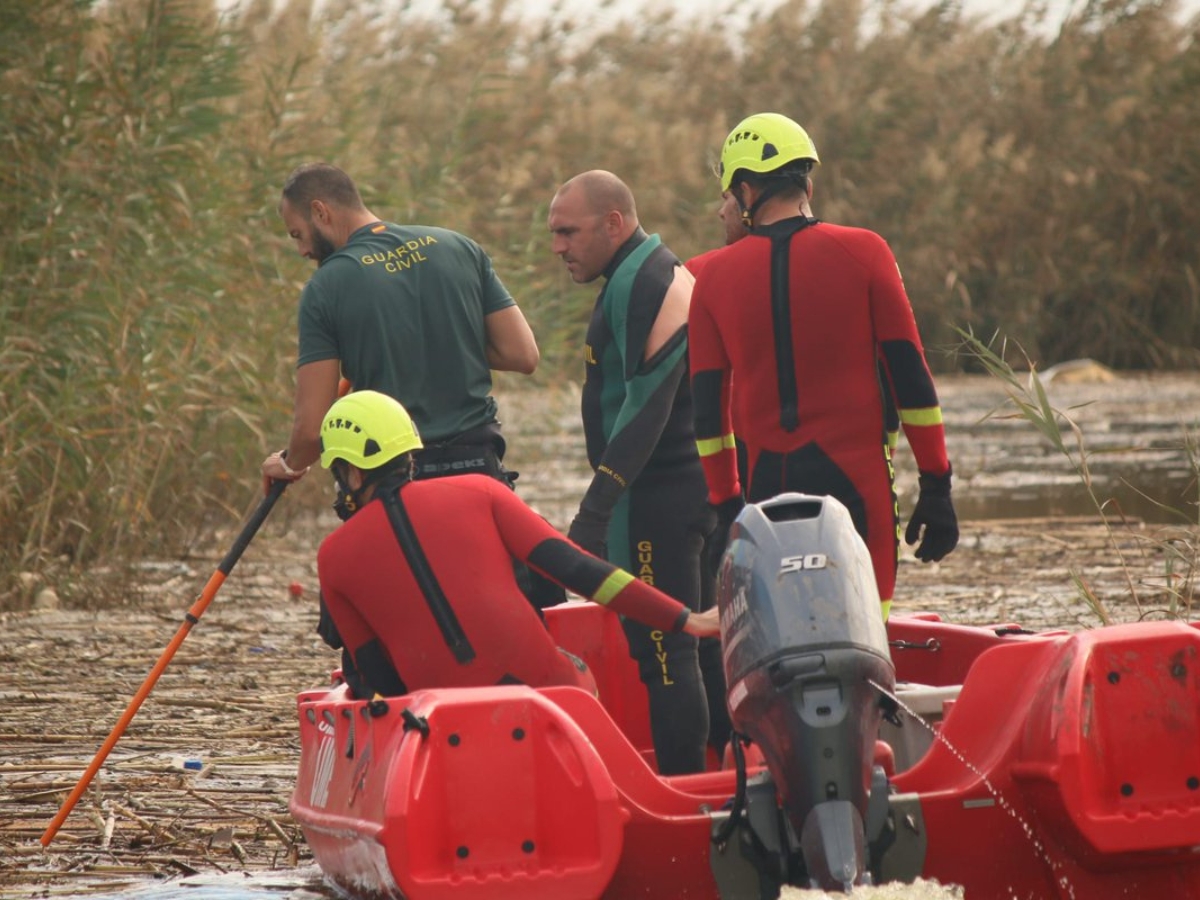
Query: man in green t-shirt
x=411, y=311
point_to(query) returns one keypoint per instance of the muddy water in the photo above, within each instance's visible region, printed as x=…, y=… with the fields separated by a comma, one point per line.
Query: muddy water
x=1135, y=434
x=920, y=890
x=1136, y=437
x=306, y=884
x=300, y=884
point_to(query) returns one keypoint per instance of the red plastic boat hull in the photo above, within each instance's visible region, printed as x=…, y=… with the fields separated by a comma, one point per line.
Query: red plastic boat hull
x=1070, y=768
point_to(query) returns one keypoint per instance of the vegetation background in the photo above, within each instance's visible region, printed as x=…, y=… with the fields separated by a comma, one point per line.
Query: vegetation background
x=1032, y=182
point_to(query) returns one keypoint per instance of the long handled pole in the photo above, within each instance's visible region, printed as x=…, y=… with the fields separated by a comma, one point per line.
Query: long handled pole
x=193, y=616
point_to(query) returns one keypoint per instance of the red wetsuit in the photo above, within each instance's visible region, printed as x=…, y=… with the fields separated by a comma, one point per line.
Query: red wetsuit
x=817, y=424
x=696, y=264
x=469, y=528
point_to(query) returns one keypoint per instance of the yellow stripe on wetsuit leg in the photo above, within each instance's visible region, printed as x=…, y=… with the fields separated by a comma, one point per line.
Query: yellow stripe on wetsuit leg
x=928, y=415
x=611, y=586
x=713, y=446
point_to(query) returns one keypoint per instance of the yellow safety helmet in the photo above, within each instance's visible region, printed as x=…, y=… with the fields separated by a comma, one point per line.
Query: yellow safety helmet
x=367, y=429
x=763, y=143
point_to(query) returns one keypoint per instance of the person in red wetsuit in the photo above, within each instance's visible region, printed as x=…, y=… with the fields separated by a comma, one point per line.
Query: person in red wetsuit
x=419, y=579
x=735, y=228
x=804, y=328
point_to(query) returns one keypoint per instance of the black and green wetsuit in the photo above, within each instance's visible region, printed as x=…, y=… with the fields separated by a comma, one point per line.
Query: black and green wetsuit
x=637, y=419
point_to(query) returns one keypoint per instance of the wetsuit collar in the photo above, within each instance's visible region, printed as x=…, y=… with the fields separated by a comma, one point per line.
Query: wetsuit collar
x=623, y=251
x=782, y=226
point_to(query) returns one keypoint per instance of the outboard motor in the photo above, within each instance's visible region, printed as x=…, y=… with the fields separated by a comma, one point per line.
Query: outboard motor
x=803, y=639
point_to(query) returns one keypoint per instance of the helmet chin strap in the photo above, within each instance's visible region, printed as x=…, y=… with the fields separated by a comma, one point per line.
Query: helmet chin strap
x=748, y=213
x=771, y=187
x=349, y=501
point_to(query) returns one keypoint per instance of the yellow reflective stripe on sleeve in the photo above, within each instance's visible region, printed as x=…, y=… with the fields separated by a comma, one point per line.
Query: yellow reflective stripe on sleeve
x=611, y=586
x=886, y=605
x=929, y=415
x=713, y=446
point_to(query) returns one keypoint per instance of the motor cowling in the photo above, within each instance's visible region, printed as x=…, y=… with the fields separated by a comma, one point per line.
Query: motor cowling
x=806, y=653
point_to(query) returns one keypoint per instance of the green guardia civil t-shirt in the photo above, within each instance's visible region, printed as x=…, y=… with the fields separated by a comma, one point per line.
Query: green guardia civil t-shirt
x=402, y=308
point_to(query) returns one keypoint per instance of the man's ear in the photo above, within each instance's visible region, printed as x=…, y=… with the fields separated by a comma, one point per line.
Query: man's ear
x=320, y=212
x=614, y=223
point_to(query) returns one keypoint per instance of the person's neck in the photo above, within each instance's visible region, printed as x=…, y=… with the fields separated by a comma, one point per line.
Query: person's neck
x=627, y=245
x=352, y=223
x=777, y=209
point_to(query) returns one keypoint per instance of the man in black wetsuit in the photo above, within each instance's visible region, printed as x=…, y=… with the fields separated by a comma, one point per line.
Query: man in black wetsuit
x=645, y=509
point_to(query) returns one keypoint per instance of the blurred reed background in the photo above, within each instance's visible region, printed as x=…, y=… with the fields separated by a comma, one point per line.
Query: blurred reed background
x=1037, y=183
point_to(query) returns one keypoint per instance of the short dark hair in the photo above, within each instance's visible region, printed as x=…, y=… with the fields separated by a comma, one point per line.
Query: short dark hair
x=320, y=181
x=401, y=467
x=787, y=180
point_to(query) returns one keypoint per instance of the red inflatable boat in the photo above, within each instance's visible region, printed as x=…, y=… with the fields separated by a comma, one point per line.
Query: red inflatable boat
x=1052, y=765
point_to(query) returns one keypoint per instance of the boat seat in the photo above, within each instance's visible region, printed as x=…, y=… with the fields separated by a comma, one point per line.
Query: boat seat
x=926, y=700
x=911, y=740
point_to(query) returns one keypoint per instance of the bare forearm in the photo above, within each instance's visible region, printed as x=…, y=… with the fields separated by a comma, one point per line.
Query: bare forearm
x=316, y=389
x=302, y=450
x=511, y=346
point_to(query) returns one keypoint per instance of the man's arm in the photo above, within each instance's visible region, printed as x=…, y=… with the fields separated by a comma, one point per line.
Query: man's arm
x=316, y=390
x=710, y=373
x=904, y=365
x=511, y=346
x=530, y=538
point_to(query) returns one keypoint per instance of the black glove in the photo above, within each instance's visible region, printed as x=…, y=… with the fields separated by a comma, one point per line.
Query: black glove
x=714, y=547
x=589, y=529
x=934, y=514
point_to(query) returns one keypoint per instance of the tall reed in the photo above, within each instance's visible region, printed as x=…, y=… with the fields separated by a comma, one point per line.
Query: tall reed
x=1031, y=180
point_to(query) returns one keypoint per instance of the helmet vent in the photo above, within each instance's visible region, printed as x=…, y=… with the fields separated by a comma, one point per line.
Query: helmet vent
x=769, y=151
x=370, y=448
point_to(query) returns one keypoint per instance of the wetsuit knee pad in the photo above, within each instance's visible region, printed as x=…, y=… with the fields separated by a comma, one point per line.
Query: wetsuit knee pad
x=326, y=627
x=375, y=673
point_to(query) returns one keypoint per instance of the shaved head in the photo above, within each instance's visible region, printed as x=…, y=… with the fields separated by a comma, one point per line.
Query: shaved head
x=603, y=192
x=591, y=216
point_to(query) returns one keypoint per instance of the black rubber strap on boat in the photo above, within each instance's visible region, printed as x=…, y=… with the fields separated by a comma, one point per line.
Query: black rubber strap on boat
x=413, y=722
x=737, y=810
x=435, y=597
x=781, y=235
